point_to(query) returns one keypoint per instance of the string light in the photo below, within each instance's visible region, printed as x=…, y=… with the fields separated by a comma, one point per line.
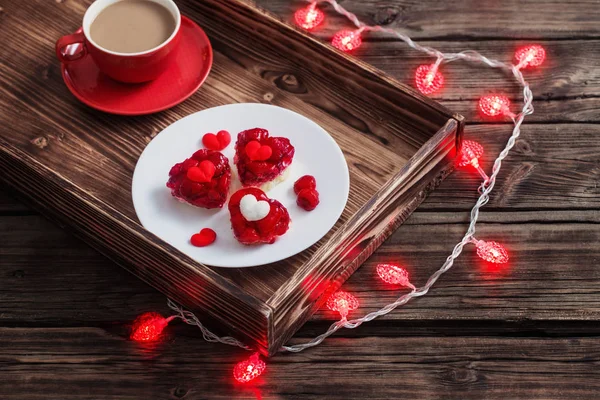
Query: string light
x=394, y=275
x=428, y=81
x=309, y=17
x=148, y=326
x=342, y=302
x=491, y=251
x=249, y=369
x=494, y=105
x=347, y=40
x=530, y=56
x=470, y=153
x=428, y=78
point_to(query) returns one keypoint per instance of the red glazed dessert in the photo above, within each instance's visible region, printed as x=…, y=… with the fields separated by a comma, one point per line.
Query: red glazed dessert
x=202, y=180
x=255, y=218
x=262, y=160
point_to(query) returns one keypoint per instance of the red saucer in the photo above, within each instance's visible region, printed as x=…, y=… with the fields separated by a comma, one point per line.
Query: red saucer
x=188, y=71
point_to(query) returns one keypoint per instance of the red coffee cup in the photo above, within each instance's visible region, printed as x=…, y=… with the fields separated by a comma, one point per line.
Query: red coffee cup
x=125, y=67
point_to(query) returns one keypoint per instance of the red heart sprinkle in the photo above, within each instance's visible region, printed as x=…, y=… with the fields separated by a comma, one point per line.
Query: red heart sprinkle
x=224, y=138
x=251, y=148
x=216, y=142
x=211, y=142
x=189, y=163
x=258, y=152
x=203, y=173
x=204, y=238
x=264, y=153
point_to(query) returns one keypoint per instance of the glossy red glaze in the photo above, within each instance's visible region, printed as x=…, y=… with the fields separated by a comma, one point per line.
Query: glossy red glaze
x=212, y=194
x=257, y=172
x=190, y=66
x=276, y=223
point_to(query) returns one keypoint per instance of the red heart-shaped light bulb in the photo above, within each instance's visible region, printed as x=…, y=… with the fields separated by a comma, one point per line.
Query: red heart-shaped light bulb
x=428, y=79
x=309, y=17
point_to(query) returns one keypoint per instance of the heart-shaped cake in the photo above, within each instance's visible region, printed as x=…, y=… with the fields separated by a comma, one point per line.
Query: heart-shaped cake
x=255, y=218
x=202, y=180
x=262, y=160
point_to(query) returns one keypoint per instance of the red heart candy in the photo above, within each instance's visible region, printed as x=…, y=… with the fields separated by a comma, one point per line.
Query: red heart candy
x=204, y=238
x=258, y=152
x=224, y=138
x=251, y=148
x=203, y=173
x=211, y=142
x=264, y=153
x=216, y=142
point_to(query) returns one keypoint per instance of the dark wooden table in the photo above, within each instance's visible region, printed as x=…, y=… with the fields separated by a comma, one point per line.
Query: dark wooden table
x=527, y=331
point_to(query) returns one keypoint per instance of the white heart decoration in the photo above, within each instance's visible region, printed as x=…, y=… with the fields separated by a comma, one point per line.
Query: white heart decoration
x=252, y=209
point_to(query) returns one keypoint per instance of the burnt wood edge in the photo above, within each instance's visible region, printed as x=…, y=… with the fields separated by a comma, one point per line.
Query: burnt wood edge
x=129, y=245
x=251, y=9
x=460, y=131
x=440, y=152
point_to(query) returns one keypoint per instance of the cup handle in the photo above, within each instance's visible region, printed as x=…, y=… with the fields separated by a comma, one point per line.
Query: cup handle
x=62, y=46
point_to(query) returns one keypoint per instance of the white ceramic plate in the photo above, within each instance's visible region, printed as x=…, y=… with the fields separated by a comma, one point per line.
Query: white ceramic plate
x=317, y=154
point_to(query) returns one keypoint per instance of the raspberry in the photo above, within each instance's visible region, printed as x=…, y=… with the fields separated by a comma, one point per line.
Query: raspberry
x=308, y=199
x=305, y=182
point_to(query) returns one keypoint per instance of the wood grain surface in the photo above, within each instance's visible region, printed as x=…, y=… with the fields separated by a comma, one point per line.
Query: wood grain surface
x=530, y=331
x=398, y=144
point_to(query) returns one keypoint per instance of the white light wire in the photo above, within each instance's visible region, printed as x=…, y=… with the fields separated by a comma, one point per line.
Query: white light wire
x=189, y=318
x=485, y=189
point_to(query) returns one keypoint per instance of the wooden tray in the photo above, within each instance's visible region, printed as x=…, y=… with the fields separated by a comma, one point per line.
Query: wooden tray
x=75, y=164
